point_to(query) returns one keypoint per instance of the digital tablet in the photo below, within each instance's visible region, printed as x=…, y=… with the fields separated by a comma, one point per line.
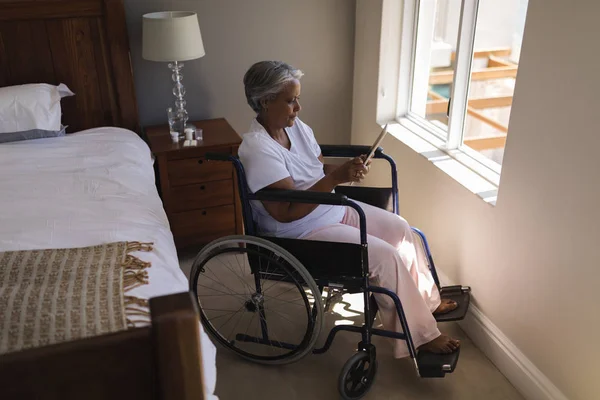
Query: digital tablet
x=374, y=147
x=376, y=144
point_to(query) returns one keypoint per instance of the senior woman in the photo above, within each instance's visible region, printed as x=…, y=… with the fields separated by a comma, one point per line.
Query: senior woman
x=280, y=152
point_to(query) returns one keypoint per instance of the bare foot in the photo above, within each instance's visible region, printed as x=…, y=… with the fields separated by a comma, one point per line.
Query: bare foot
x=441, y=345
x=445, y=307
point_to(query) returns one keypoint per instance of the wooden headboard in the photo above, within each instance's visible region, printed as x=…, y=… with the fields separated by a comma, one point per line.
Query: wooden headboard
x=81, y=43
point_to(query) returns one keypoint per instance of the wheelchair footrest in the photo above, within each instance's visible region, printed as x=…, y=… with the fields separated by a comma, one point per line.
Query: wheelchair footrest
x=460, y=294
x=436, y=365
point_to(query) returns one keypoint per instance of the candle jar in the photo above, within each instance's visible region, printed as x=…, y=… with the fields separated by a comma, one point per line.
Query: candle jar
x=189, y=134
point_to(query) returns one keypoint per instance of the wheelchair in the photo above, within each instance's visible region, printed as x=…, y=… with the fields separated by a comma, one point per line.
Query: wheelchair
x=262, y=297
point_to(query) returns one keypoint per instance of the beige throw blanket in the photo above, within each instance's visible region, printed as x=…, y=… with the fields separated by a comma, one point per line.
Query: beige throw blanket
x=56, y=295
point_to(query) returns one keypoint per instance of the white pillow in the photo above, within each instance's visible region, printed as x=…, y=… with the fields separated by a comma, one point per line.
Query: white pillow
x=33, y=106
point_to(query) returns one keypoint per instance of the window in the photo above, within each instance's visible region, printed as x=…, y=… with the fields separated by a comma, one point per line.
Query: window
x=465, y=56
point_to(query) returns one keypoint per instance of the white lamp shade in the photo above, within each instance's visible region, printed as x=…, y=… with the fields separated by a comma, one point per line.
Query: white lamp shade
x=171, y=36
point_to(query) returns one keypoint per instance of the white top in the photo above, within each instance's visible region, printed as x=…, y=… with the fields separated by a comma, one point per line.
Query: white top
x=266, y=162
x=87, y=188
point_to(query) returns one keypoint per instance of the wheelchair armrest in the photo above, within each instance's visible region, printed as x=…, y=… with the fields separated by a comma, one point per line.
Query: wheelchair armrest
x=332, y=150
x=300, y=196
x=304, y=196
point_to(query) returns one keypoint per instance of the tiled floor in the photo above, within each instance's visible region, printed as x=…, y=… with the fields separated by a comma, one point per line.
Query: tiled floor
x=316, y=376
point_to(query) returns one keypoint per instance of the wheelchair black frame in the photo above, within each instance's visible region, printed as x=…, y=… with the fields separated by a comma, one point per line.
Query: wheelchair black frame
x=300, y=196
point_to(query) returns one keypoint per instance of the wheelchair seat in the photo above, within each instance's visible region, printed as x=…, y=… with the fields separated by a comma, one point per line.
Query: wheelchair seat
x=329, y=263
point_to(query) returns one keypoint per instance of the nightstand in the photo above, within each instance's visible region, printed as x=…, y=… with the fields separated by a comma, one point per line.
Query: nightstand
x=200, y=198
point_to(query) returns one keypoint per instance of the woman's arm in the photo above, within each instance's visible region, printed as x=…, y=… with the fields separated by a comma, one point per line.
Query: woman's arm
x=327, y=168
x=351, y=171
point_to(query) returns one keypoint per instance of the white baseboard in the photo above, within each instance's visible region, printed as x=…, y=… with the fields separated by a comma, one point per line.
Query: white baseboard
x=515, y=366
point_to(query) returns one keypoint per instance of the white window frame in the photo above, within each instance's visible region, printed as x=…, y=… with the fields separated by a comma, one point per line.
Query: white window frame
x=451, y=141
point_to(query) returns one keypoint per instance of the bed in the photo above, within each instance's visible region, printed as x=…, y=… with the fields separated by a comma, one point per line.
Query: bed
x=94, y=185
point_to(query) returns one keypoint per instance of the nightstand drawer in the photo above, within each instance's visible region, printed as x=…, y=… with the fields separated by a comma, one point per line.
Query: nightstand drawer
x=207, y=222
x=201, y=195
x=197, y=170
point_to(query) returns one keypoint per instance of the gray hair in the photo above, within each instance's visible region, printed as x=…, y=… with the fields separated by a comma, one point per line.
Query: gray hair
x=266, y=79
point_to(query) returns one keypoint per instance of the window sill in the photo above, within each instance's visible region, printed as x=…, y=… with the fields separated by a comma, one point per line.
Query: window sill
x=474, y=176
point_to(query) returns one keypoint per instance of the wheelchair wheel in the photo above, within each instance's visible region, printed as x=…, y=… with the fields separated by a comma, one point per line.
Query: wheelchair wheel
x=256, y=299
x=357, y=376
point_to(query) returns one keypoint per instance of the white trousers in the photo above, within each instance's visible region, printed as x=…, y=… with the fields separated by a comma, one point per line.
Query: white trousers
x=396, y=262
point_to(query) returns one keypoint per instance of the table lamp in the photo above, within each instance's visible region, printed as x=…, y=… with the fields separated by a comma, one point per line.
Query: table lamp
x=173, y=37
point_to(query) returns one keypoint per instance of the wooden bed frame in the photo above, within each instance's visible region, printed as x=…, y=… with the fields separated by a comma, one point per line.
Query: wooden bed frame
x=81, y=43
x=162, y=361
x=84, y=44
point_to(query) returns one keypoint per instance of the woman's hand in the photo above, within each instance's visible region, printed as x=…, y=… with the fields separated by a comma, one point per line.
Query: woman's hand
x=353, y=170
x=368, y=165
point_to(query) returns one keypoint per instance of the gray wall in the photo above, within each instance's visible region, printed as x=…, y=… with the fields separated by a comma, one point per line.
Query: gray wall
x=316, y=36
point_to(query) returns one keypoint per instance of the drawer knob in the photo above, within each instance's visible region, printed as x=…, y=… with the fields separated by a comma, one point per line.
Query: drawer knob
x=202, y=187
x=200, y=161
x=203, y=212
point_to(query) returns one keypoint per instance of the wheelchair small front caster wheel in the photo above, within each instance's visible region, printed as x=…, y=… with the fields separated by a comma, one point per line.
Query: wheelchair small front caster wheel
x=357, y=376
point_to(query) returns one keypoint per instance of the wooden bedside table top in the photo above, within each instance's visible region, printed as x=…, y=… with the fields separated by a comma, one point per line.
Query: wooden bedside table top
x=215, y=132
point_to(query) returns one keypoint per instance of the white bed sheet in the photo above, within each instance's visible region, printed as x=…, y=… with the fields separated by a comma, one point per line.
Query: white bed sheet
x=95, y=186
